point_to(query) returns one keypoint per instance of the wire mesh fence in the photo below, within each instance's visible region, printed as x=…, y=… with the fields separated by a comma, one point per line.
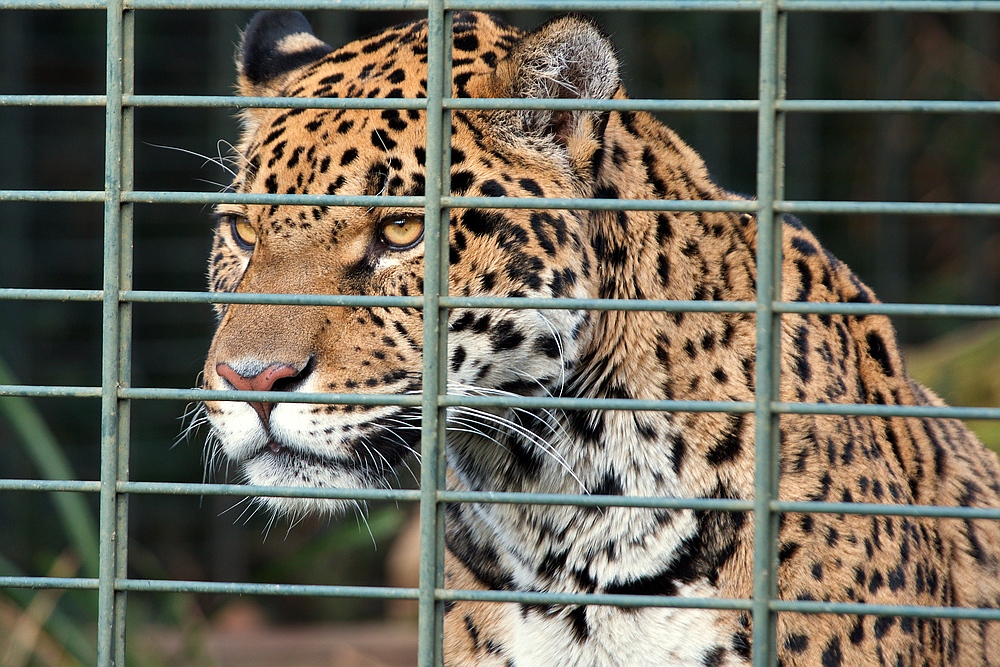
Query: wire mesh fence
x=117, y=297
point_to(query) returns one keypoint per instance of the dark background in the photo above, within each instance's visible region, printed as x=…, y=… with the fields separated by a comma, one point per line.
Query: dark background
x=893, y=157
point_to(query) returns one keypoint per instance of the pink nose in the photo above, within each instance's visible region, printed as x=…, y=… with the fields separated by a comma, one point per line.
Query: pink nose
x=263, y=381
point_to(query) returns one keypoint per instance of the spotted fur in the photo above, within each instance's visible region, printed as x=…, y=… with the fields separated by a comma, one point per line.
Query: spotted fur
x=636, y=355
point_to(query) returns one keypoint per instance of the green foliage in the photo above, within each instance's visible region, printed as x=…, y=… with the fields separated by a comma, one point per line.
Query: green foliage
x=964, y=368
x=78, y=523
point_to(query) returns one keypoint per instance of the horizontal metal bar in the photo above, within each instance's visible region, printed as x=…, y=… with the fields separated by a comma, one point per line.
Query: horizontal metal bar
x=523, y=303
x=892, y=309
x=344, y=300
x=576, y=104
x=361, y=5
x=887, y=106
x=65, y=583
x=519, y=303
x=585, y=500
x=523, y=597
x=529, y=402
x=881, y=509
x=49, y=391
x=867, y=410
x=53, y=4
x=578, y=204
x=237, y=588
x=158, y=393
x=733, y=5
x=888, y=208
x=531, y=597
x=72, y=196
x=581, y=204
x=49, y=485
x=27, y=294
x=605, y=5
x=903, y=611
x=798, y=606
x=935, y=6
x=567, y=403
x=246, y=490
x=634, y=104
x=143, y=197
x=237, y=102
x=52, y=100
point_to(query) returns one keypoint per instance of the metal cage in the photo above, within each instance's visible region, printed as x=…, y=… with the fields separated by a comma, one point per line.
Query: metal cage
x=117, y=297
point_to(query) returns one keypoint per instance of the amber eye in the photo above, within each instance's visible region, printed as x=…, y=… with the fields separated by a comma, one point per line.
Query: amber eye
x=404, y=232
x=243, y=232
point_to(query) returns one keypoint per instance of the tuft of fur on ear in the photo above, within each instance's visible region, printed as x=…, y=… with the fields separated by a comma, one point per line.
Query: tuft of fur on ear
x=274, y=44
x=568, y=57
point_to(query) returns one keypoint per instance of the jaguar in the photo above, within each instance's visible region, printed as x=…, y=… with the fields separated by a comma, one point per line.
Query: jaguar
x=620, y=354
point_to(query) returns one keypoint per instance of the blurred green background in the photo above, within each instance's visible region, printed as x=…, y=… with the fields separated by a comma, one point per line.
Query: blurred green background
x=895, y=157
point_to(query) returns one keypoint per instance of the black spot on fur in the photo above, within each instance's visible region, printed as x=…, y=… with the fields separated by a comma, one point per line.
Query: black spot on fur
x=796, y=643
x=578, y=622
x=832, y=655
x=505, y=336
x=879, y=352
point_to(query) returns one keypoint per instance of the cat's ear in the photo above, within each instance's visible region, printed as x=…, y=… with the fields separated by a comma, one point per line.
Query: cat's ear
x=275, y=44
x=568, y=57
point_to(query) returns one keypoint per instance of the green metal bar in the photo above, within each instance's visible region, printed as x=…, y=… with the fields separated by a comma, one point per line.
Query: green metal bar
x=53, y=4
x=889, y=208
x=388, y=593
x=345, y=300
x=906, y=611
x=634, y=104
x=304, y=5
x=520, y=303
x=36, y=391
x=736, y=206
x=249, y=102
x=235, y=588
x=429, y=653
x=73, y=196
x=919, y=411
x=768, y=350
x=616, y=600
x=892, y=309
x=546, y=402
x=52, y=100
x=248, y=490
x=877, y=509
x=16, y=294
x=66, y=583
x=142, y=393
x=49, y=485
x=889, y=6
x=124, y=342
x=935, y=6
x=107, y=632
x=603, y=5
x=888, y=106
x=444, y=158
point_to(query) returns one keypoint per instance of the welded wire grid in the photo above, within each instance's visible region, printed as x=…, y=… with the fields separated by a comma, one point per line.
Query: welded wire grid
x=117, y=297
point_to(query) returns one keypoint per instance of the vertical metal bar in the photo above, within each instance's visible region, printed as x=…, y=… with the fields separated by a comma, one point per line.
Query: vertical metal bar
x=442, y=341
x=768, y=344
x=124, y=332
x=429, y=642
x=107, y=633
